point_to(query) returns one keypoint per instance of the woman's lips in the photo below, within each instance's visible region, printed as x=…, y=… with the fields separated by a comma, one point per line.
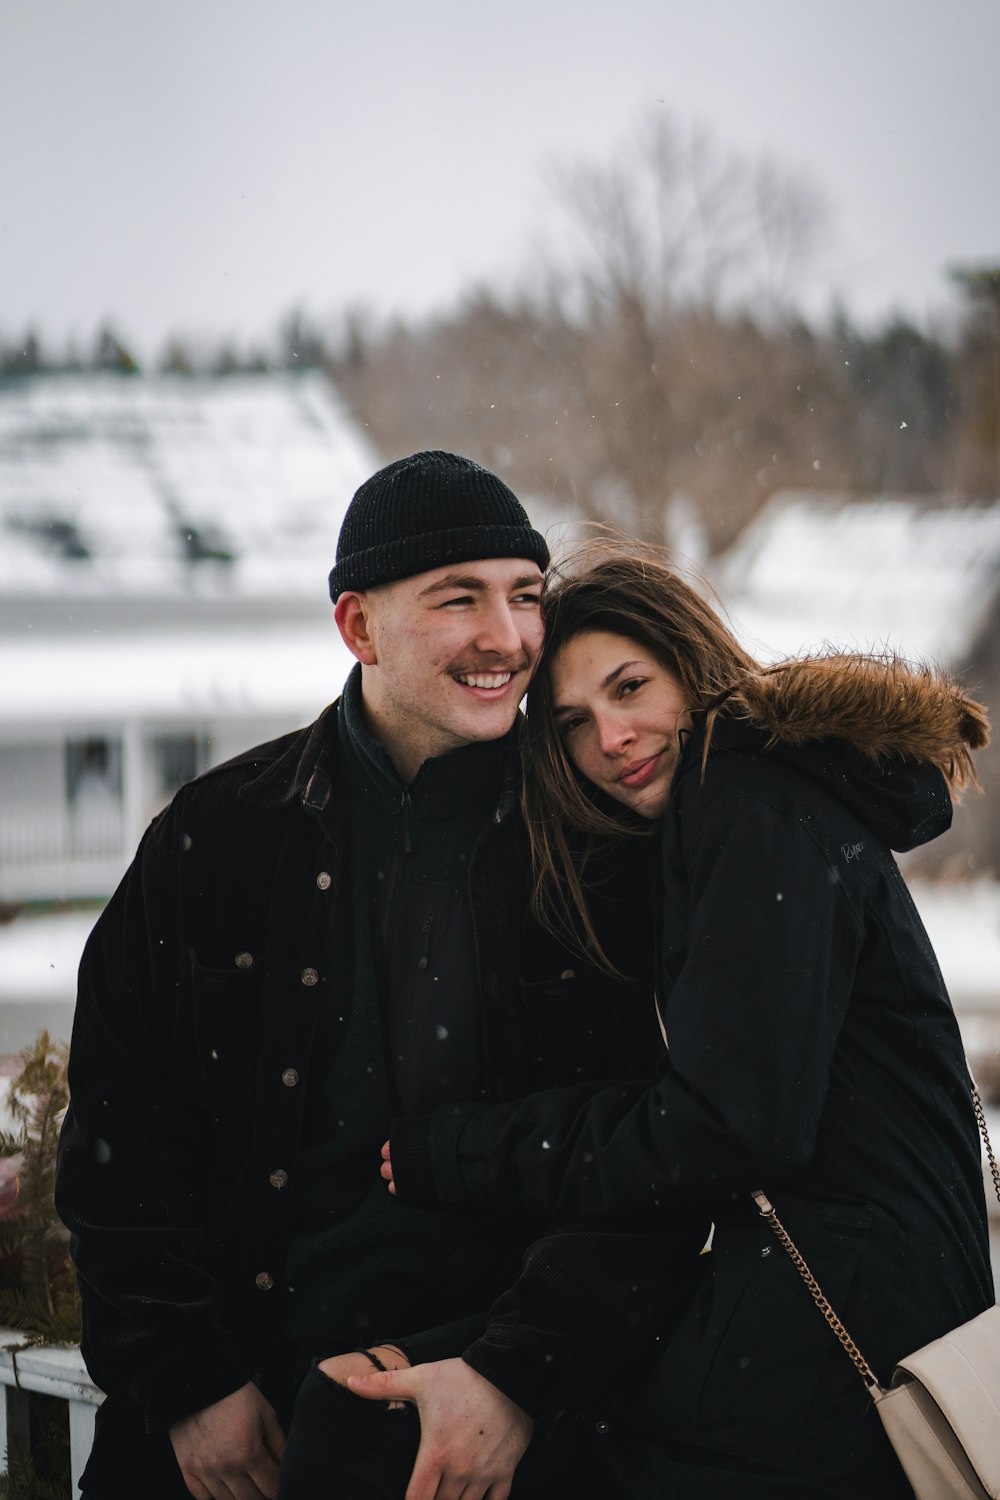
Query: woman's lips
x=640, y=772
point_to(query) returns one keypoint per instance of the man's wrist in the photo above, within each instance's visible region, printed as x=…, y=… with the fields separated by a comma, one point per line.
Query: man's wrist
x=183, y=1387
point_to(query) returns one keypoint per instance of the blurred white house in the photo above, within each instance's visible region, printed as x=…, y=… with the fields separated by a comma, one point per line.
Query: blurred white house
x=887, y=573
x=164, y=546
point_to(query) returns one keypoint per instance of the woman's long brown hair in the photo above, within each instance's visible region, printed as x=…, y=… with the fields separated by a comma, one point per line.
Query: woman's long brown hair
x=634, y=590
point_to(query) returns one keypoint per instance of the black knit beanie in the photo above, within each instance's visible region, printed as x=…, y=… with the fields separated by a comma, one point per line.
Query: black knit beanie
x=427, y=511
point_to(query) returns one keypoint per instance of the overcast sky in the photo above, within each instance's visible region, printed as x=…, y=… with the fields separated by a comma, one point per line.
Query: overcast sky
x=201, y=165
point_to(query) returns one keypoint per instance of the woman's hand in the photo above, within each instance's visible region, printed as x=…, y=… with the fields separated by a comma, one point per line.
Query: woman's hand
x=385, y=1170
x=340, y=1367
x=472, y=1436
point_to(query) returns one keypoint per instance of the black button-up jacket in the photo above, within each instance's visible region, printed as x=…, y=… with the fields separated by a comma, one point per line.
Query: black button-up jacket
x=192, y=1044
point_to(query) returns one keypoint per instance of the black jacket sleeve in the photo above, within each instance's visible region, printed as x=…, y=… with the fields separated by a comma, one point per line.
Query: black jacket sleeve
x=589, y=1303
x=132, y=1171
x=772, y=941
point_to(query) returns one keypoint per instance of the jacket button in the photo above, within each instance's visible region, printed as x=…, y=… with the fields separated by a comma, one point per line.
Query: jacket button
x=244, y=960
x=324, y=880
x=309, y=977
x=278, y=1179
x=290, y=1078
x=264, y=1280
x=601, y=1427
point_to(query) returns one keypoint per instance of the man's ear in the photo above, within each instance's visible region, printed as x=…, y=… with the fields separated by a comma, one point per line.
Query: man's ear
x=353, y=612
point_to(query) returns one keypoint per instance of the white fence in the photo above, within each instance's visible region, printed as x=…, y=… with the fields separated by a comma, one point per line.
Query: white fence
x=52, y=1372
x=39, y=837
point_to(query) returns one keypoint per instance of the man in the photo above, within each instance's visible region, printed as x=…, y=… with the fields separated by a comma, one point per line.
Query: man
x=322, y=933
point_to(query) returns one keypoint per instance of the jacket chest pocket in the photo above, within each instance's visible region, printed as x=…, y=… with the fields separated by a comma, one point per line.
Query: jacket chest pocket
x=216, y=1052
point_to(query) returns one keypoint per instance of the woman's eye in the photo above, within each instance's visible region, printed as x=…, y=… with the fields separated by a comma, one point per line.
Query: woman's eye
x=631, y=685
x=568, y=725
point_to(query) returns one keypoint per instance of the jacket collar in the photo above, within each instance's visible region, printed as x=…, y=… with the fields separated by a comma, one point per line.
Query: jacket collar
x=306, y=769
x=303, y=771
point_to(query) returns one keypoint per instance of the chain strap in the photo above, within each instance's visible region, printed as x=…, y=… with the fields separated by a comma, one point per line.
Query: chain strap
x=977, y=1105
x=850, y=1348
x=813, y=1287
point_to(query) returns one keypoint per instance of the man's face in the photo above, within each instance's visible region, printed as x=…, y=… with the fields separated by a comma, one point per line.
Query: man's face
x=453, y=652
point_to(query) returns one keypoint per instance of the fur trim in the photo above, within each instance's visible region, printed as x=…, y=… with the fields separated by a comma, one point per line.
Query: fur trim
x=884, y=707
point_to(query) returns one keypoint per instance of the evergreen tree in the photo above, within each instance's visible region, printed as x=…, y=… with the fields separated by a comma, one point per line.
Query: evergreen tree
x=111, y=354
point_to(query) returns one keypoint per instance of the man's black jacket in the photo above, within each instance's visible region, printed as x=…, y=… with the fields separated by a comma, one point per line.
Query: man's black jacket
x=199, y=993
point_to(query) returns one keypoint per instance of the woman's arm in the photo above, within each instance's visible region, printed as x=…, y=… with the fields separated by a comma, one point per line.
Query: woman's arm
x=588, y=1303
x=752, y=1021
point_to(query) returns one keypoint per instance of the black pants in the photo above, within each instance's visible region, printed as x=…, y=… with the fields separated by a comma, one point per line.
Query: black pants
x=342, y=1447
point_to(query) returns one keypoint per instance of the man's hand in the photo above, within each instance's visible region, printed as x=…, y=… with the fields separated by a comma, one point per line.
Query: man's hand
x=385, y=1170
x=230, y=1451
x=472, y=1437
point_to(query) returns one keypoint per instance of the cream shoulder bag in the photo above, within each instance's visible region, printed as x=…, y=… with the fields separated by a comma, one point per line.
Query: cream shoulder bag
x=941, y=1409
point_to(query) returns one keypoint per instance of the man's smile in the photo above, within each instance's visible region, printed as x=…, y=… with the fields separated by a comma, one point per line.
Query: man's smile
x=488, y=680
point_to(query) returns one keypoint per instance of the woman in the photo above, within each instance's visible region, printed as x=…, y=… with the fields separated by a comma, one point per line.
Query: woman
x=813, y=1052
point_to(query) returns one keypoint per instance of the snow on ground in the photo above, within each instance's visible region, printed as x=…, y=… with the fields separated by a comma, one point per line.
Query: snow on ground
x=39, y=958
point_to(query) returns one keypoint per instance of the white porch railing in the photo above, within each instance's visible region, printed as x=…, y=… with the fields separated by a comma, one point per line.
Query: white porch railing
x=52, y=1372
x=38, y=836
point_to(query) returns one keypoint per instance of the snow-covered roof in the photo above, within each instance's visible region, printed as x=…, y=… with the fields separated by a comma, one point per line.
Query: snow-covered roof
x=118, y=487
x=894, y=572
x=274, y=670
x=165, y=543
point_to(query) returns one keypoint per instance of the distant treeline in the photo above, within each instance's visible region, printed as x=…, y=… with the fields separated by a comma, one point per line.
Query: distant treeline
x=660, y=378
x=695, y=420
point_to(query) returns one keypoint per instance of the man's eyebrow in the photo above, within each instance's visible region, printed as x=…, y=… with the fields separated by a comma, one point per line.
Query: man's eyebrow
x=568, y=708
x=474, y=585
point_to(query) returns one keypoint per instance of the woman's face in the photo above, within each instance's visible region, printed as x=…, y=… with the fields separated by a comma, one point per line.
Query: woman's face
x=619, y=712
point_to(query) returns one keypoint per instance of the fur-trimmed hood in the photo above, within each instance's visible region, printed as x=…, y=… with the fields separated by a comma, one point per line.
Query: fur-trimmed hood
x=890, y=740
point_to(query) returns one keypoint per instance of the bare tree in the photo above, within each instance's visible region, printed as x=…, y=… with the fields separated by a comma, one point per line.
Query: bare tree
x=677, y=220
x=679, y=235
x=981, y=371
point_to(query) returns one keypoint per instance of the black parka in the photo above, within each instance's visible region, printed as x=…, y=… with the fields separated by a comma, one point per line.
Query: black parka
x=813, y=1054
x=190, y=1061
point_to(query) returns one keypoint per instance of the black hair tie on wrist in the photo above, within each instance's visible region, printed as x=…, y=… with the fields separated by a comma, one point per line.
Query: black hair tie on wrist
x=374, y=1359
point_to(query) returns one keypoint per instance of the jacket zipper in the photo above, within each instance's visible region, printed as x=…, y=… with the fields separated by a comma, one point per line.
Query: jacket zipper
x=394, y=866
